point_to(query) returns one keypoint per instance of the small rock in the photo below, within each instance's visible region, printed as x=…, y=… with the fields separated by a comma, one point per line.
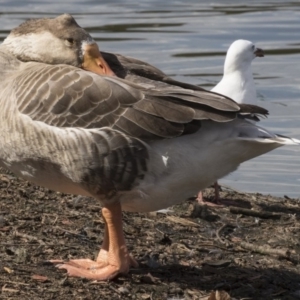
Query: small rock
x=123, y=290
x=21, y=254
x=148, y=279
x=2, y=221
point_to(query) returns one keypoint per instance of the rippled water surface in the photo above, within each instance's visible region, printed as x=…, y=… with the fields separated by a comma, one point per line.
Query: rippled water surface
x=188, y=40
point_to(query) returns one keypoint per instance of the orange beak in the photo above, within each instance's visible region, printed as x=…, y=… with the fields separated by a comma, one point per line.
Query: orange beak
x=94, y=62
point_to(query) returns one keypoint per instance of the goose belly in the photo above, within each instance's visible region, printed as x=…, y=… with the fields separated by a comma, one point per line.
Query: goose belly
x=191, y=163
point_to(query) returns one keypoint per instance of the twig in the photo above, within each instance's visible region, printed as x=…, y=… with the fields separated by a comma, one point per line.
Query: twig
x=231, y=189
x=29, y=237
x=254, y=213
x=55, y=220
x=14, y=282
x=265, y=250
x=80, y=236
x=237, y=221
x=182, y=221
x=218, y=234
x=5, y=289
x=69, y=232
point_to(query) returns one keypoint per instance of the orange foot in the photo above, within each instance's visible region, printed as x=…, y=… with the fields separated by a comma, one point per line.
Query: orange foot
x=113, y=259
x=94, y=270
x=216, y=202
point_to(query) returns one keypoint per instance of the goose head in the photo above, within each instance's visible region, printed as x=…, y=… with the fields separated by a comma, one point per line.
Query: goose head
x=240, y=55
x=57, y=40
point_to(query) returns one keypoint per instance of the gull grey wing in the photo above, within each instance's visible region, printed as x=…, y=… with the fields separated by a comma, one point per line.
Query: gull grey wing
x=252, y=109
x=66, y=96
x=124, y=66
x=139, y=71
x=143, y=73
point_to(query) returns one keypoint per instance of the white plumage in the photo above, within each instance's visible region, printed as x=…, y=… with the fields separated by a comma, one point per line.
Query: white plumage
x=237, y=82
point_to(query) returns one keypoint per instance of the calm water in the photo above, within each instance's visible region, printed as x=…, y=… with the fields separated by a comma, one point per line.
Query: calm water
x=188, y=40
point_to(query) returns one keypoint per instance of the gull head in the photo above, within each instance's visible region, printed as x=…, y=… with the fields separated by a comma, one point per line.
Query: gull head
x=240, y=55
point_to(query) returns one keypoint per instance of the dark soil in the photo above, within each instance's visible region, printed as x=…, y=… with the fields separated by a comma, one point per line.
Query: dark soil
x=185, y=252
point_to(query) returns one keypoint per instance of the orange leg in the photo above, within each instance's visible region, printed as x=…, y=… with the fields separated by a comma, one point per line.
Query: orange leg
x=113, y=258
x=217, y=193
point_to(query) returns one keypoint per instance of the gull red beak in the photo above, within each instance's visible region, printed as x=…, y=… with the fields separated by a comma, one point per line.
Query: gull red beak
x=259, y=52
x=94, y=62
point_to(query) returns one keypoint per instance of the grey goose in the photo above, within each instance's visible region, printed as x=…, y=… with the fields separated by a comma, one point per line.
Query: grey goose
x=68, y=124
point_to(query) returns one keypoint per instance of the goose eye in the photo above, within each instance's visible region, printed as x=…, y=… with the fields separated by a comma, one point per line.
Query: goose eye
x=70, y=41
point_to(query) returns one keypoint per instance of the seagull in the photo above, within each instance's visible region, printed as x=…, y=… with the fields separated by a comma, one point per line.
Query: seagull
x=69, y=123
x=237, y=83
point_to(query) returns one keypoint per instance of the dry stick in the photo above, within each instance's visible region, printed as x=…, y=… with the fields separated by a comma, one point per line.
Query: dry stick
x=72, y=232
x=14, y=282
x=182, y=221
x=29, y=237
x=232, y=189
x=218, y=234
x=5, y=289
x=67, y=231
x=265, y=250
x=254, y=213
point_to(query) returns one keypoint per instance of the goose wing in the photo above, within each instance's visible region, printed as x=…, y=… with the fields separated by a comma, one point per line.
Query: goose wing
x=65, y=96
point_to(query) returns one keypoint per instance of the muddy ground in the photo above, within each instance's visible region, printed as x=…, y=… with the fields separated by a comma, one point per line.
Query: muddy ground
x=249, y=248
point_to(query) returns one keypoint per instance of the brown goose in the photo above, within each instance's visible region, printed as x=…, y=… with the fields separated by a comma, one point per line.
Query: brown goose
x=132, y=147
